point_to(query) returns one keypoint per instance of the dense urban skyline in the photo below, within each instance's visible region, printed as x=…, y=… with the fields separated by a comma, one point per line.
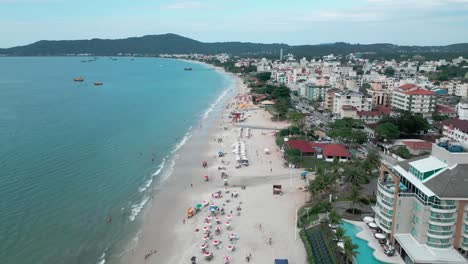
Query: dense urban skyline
x=410, y=22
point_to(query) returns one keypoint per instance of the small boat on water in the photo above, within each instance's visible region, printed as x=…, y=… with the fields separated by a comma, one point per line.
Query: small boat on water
x=187, y=69
x=78, y=79
x=98, y=83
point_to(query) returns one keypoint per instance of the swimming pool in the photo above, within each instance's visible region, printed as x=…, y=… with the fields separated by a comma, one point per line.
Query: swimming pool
x=365, y=252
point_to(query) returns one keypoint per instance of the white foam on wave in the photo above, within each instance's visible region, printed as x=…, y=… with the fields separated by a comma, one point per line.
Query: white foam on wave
x=136, y=208
x=102, y=258
x=214, y=104
x=169, y=170
x=182, y=142
x=147, y=184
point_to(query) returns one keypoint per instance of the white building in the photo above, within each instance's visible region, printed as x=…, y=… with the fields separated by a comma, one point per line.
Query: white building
x=414, y=99
x=346, y=100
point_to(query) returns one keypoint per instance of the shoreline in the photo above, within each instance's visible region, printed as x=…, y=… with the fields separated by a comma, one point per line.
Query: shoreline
x=167, y=165
x=173, y=238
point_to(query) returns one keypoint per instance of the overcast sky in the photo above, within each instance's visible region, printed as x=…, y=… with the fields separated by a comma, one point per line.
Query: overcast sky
x=412, y=22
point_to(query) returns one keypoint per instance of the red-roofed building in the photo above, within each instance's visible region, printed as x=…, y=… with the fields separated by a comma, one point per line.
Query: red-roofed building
x=446, y=110
x=326, y=151
x=407, y=86
x=418, y=147
x=456, y=130
x=414, y=99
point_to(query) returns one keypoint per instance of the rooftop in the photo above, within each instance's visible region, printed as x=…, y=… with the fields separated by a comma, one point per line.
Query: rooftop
x=421, y=253
x=418, y=144
x=407, y=86
x=428, y=164
x=457, y=123
x=451, y=183
x=418, y=91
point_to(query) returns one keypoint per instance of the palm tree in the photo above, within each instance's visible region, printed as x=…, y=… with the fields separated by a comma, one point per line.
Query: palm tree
x=372, y=162
x=339, y=233
x=334, y=218
x=354, y=197
x=354, y=174
x=350, y=249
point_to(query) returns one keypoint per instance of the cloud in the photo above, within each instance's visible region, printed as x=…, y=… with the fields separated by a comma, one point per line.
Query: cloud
x=184, y=5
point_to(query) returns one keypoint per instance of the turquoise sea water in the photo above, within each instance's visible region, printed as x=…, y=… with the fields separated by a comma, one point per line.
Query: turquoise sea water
x=73, y=153
x=365, y=252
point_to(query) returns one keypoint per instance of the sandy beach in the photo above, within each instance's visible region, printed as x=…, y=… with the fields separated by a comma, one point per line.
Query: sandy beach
x=173, y=238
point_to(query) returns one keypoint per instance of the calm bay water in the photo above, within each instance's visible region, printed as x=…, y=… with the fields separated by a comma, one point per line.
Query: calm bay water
x=73, y=153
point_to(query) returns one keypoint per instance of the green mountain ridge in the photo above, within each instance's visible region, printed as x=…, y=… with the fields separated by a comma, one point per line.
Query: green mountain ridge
x=175, y=44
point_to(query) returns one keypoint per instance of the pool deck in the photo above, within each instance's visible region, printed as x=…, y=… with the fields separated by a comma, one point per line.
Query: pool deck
x=367, y=235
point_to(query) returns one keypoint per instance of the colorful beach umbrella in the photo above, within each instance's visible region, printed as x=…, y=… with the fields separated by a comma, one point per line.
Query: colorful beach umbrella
x=228, y=216
x=230, y=247
x=206, y=238
x=215, y=242
x=207, y=254
x=227, y=223
x=198, y=206
x=203, y=246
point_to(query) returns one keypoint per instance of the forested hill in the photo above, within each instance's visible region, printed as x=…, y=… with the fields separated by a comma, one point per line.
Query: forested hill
x=175, y=44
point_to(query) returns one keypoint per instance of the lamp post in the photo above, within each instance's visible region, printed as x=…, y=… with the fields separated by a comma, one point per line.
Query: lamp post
x=289, y=165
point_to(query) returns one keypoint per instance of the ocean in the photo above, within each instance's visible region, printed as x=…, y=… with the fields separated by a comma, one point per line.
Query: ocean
x=72, y=153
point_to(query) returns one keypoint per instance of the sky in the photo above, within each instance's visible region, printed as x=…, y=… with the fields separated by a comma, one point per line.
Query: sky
x=404, y=22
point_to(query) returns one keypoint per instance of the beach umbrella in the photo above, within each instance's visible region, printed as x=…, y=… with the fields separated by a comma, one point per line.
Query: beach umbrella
x=379, y=236
x=198, y=206
x=368, y=219
x=217, y=219
x=207, y=254
x=232, y=236
x=227, y=258
x=304, y=173
x=205, y=238
x=215, y=242
x=230, y=247
x=208, y=217
x=203, y=246
x=227, y=223
x=205, y=228
x=204, y=202
x=340, y=244
x=372, y=225
x=208, y=223
x=228, y=216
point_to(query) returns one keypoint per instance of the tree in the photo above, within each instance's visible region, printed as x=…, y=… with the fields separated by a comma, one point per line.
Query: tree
x=354, y=197
x=334, y=217
x=387, y=131
x=282, y=106
x=364, y=88
x=294, y=156
x=263, y=76
x=280, y=92
x=439, y=117
x=354, y=174
x=350, y=249
x=389, y=72
x=296, y=118
x=403, y=152
x=339, y=233
x=372, y=162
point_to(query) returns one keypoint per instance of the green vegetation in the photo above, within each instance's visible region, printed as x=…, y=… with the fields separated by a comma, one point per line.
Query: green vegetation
x=445, y=73
x=403, y=152
x=349, y=249
x=389, y=72
x=438, y=117
x=387, y=131
x=407, y=122
x=263, y=76
x=348, y=130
